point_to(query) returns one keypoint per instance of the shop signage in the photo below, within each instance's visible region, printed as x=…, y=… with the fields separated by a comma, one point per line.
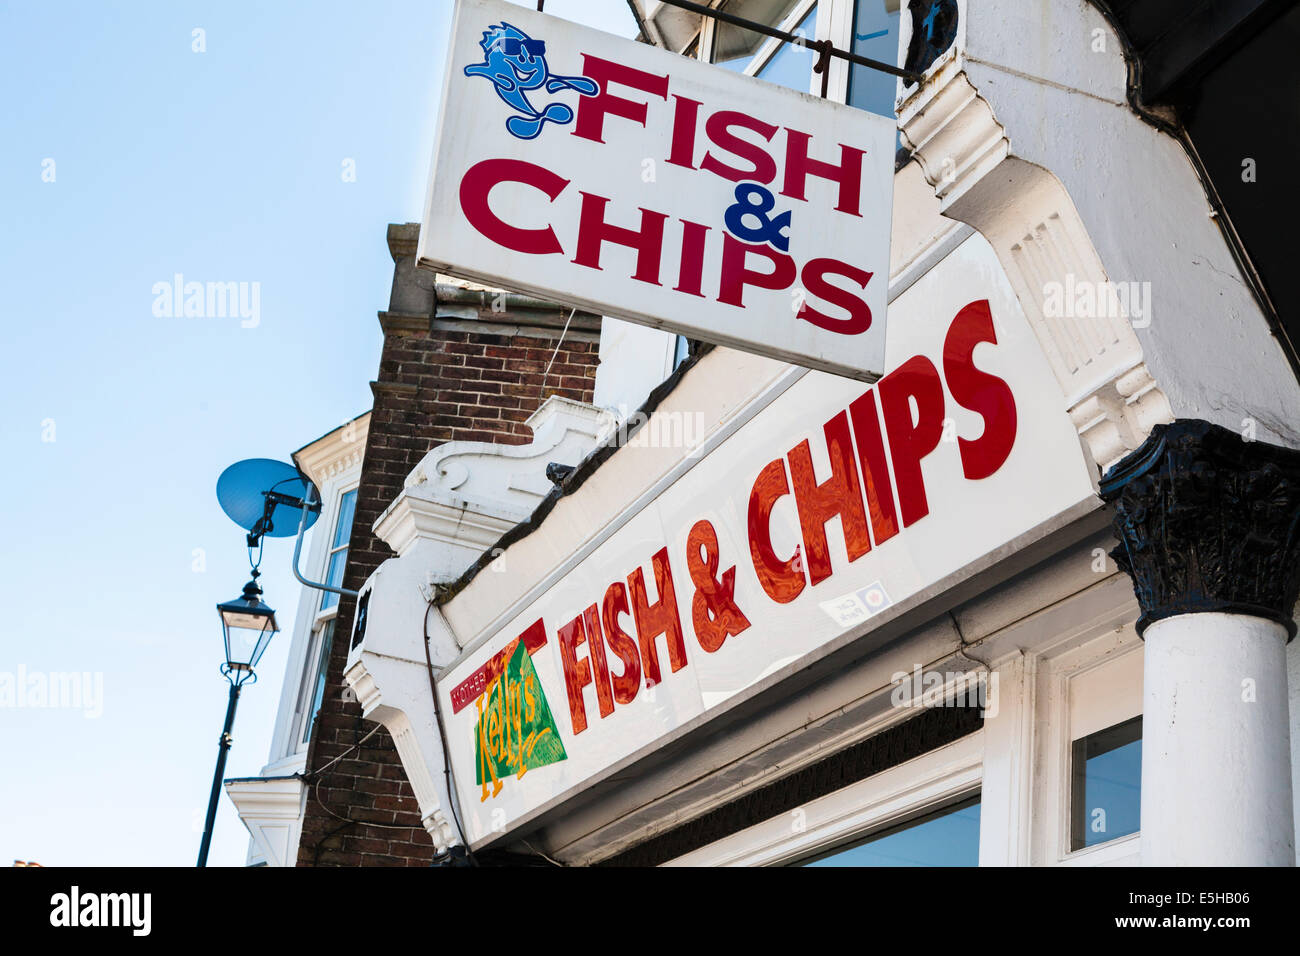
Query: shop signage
x=632, y=182
x=833, y=509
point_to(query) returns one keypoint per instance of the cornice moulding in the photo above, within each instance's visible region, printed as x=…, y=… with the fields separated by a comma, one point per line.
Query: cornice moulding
x=337, y=452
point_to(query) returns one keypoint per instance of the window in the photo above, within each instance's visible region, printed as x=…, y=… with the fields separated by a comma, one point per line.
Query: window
x=786, y=64
x=733, y=47
x=875, y=35
x=949, y=837
x=1106, y=784
x=338, y=557
x=311, y=690
x=313, y=687
x=924, y=811
x=681, y=351
x=1088, y=703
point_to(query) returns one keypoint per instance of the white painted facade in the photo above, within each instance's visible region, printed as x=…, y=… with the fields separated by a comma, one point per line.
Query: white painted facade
x=272, y=804
x=1023, y=147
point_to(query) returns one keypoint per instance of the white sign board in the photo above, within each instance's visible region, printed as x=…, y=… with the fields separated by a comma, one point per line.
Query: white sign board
x=833, y=509
x=620, y=178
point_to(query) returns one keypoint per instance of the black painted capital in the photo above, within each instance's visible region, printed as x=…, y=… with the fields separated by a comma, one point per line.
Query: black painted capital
x=1208, y=521
x=934, y=27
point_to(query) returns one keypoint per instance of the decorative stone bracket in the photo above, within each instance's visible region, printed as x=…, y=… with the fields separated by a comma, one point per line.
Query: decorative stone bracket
x=457, y=503
x=271, y=808
x=1024, y=211
x=405, y=708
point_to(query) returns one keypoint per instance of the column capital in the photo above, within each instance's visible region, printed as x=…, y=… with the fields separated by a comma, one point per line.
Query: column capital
x=1208, y=521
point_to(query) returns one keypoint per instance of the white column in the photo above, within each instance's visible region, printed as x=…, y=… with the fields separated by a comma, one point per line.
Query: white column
x=1216, y=757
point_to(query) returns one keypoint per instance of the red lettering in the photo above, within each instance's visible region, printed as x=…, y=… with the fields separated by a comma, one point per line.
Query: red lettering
x=690, y=274
x=735, y=275
x=875, y=470
x=620, y=642
x=815, y=284
x=477, y=184
x=594, y=232
x=714, y=611
x=592, y=109
x=685, y=116
x=916, y=380
x=718, y=127
x=577, y=673
x=839, y=494
x=596, y=650
x=798, y=167
x=782, y=580
x=985, y=394
x=652, y=620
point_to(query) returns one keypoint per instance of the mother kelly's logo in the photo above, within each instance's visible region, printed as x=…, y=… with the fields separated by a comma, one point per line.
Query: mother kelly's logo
x=516, y=65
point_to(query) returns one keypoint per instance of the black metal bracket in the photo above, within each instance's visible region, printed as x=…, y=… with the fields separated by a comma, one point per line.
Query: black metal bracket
x=825, y=48
x=264, y=524
x=823, y=64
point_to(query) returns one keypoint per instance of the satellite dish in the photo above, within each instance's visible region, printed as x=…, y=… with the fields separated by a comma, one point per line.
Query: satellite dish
x=265, y=497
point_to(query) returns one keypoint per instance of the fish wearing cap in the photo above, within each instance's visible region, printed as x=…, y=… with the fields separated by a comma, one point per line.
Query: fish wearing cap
x=516, y=65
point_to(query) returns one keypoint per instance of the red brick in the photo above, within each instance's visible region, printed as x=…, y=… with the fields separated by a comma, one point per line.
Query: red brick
x=467, y=386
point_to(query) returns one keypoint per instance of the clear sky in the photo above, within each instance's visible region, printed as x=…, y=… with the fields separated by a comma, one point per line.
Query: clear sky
x=127, y=157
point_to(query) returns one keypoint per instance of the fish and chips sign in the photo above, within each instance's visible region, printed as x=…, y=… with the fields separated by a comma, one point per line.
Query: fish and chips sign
x=620, y=178
x=833, y=510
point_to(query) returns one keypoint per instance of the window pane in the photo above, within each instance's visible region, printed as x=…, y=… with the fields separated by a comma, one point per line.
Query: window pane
x=791, y=65
x=1106, y=791
x=950, y=837
x=875, y=35
x=305, y=685
x=318, y=679
x=681, y=351
x=334, y=578
x=338, y=559
x=733, y=46
x=343, y=528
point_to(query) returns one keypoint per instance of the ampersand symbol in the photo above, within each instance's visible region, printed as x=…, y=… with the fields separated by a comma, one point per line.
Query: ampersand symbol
x=754, y=200
x=713, y=611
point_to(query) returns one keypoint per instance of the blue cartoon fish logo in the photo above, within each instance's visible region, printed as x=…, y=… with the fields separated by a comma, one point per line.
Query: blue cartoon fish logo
x=516, y=64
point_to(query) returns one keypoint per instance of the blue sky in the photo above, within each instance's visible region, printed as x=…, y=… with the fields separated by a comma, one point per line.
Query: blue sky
x=224, y=166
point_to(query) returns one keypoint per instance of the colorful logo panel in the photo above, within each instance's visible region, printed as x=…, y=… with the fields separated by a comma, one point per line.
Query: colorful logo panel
x=515, y=731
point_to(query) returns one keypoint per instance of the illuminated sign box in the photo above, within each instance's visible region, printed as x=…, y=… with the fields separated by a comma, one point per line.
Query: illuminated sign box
x=628, y=181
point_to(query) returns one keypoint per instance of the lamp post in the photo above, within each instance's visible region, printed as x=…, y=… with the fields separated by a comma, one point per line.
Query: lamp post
x=247, y=624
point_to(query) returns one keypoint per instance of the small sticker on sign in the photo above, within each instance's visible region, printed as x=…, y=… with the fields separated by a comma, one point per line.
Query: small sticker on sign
x=854, y=608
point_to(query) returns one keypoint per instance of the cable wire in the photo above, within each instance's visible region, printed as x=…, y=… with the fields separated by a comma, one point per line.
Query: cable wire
x=442, y=736
x=547, y=373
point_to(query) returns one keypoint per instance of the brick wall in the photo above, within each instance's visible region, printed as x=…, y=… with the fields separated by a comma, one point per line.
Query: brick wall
x=468, y=368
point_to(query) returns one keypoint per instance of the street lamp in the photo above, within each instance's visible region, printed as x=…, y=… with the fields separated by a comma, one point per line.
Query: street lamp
x=247, y=624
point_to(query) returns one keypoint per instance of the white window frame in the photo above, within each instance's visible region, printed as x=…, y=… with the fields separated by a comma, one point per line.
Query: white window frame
x=767, y=49
x=323, y=615
x=326, y=613
x=310, y=671
x=922, y=785
x=1087, y=689
x=834, y=23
